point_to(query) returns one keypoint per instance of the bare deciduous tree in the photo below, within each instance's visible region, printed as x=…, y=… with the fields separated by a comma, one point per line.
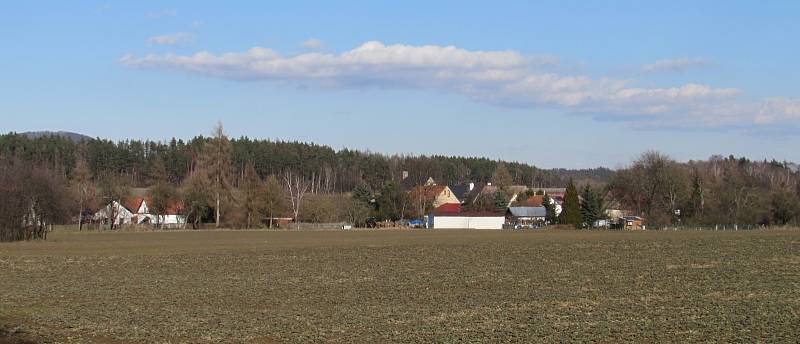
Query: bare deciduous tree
x=217, y=164
x=297, y=187
x=83, y=188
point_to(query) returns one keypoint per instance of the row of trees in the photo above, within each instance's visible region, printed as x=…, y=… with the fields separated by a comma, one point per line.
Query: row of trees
x=717, y=191
x=721, y=190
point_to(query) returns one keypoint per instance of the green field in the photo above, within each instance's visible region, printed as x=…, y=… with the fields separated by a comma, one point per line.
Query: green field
x=403, y=286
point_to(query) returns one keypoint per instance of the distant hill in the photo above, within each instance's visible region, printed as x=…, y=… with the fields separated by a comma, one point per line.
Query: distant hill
x=75, y=137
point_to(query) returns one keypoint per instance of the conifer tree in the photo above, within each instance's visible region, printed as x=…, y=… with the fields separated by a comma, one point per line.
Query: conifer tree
x=550, y=208
x=500, y=200
x=363, y=194
x=252, y=195
x=592, y=207
x=572, y=206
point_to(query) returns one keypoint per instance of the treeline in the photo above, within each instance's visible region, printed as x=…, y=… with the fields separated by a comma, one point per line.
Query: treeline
x=721, y=190
x=330, y=170
x=32, y=199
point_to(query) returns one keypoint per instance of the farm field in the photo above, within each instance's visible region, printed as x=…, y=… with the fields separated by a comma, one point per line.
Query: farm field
x=402, y=286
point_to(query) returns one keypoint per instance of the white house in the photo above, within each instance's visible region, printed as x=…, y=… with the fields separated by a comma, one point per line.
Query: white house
x=143, y=215
x=138, y=212
x=120, y=214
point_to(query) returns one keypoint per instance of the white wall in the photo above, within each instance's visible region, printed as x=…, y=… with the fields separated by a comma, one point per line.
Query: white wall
x=490, y=222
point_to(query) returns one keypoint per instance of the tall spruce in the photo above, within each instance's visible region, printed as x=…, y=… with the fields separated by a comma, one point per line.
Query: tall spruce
x=572, y=206
x=592, y=207
x=363, y=194
x=500, y=201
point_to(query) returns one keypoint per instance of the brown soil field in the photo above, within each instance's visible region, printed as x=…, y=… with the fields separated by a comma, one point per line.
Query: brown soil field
x=402, y=286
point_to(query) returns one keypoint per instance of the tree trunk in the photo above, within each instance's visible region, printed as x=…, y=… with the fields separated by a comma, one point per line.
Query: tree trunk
x=217, y=211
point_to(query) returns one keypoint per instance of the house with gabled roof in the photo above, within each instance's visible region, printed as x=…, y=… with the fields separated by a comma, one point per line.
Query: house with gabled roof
x=433, y=196
x=115, y=213
x=526, y=215
x=136, y=211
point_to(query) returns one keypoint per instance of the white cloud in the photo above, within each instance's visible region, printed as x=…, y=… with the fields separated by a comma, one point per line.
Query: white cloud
x=505, y=78
x=162, y=14
x=171, y=39
x=675, y=65
x=312, y=43
x=778, y=109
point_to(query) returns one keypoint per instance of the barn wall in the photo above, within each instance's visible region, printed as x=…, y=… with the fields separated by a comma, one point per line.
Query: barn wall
x=450, y=222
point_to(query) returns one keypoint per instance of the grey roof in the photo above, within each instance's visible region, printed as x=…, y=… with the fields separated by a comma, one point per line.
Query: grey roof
x=528, y=211
x=460, y=191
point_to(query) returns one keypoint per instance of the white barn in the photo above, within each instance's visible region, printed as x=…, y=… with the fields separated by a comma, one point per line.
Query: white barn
x=466, y=221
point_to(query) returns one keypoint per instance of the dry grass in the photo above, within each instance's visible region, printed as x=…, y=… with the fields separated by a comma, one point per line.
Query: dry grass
x=404, y=286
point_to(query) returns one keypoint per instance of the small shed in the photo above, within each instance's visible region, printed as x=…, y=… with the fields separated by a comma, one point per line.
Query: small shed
x=632, y=223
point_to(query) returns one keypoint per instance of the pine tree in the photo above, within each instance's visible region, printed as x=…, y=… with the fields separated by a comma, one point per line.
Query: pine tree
x=572, y=206
x=392, y=203
x=592, y=207
x=550, y=208
x=363, y=194
x=697, y=200
x=500, y=200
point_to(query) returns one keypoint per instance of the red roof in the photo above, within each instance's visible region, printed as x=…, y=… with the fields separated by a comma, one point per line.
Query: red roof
x=429, y=193
x=533, y=201
x=133, y=204
x=447, y=208
x=475, y=214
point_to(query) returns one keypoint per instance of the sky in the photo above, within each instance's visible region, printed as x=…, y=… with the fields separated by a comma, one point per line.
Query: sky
x=571, y=84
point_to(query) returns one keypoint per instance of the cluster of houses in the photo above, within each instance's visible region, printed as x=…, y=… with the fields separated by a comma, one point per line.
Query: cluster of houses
x=525, y=209
x=447, y=207
x=136, y=211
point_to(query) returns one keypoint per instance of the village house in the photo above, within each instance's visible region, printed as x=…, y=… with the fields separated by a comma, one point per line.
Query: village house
x=433, y=195
x=136, y=211
x=114, y=213
x=526, y=216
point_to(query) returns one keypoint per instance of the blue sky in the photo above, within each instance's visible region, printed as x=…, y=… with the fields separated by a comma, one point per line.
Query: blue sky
x=556, y=84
